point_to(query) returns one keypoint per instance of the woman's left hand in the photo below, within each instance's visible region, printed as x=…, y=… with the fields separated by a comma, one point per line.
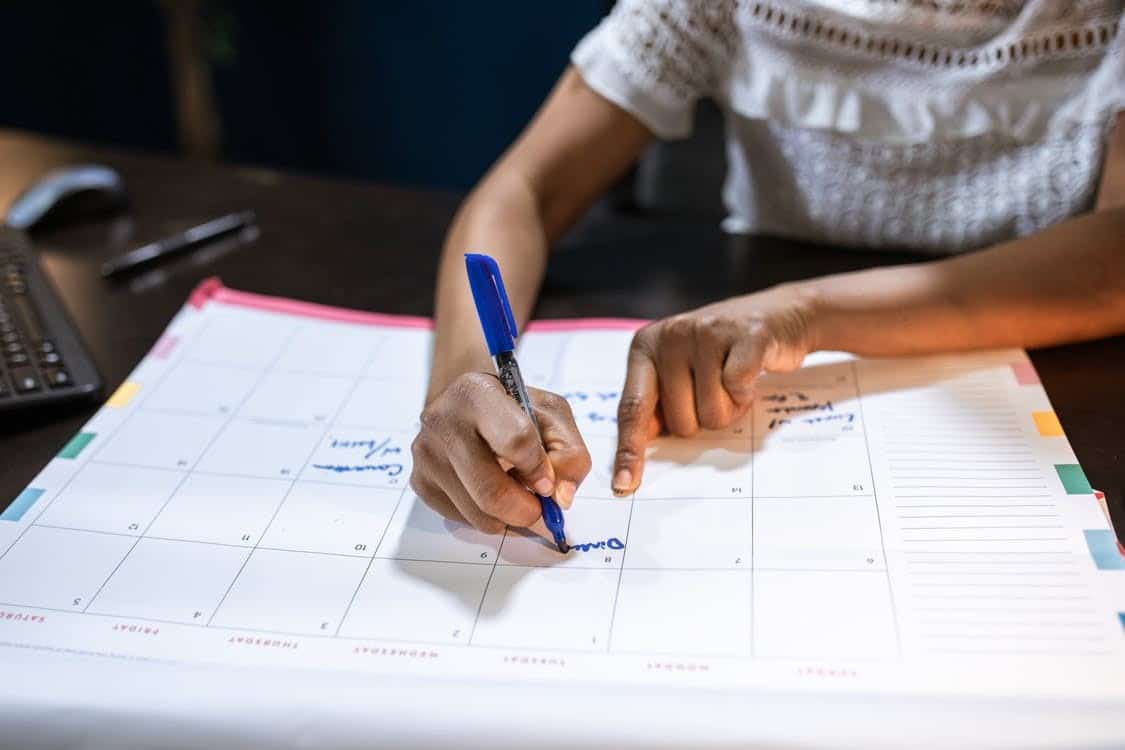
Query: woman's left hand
x=697, y=369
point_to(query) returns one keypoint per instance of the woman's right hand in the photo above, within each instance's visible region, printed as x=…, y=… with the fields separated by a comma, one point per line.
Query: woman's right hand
x=477, y=453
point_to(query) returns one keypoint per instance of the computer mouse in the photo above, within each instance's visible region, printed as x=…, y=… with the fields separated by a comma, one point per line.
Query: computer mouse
x=68, y=194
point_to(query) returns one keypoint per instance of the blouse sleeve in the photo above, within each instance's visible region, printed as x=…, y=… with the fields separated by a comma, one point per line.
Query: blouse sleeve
x=657, y=58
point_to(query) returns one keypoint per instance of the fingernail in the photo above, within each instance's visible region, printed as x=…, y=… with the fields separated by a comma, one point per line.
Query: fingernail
x=622, y=481
x=564, y=493
x=544, y=487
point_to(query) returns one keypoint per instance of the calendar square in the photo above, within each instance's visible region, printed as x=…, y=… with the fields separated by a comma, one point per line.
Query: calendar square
x=370, y=457
x=174, y=581
x=241, y=338
x=418, y=533
x=261, y=449
x=658, y=530
x=580, y=601
x=326, y=348
x=595, y=529
x=202, y=389
x=291, y=592
x=823, y=615
x=112, y=498
x=59, y=568
x=409, y=600
x=160, y=439
x=827, y=467
x=332, y=518
x=594, y=405
x=296, y=397
x=403, y=354
x=220, y=509
x=715, y=469
x=701, y=613
x=540, y=356
x=599, y=356
x=383, y=404
x=817, y=533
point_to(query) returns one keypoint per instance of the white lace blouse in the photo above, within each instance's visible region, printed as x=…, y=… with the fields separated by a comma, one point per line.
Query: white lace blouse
x=934, y=124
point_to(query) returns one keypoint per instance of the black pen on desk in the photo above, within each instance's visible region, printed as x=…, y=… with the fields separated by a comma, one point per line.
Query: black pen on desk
x=177, y=243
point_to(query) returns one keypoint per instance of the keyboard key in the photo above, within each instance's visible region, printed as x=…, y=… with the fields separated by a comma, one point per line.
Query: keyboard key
x=4, y=389
x=50, y=358
x=16, y=360
x=57, y=378
x=25, y=379
x=30, y=318
x=46, y=347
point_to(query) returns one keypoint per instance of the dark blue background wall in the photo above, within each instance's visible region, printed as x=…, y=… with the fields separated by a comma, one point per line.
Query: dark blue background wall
x=421, y=92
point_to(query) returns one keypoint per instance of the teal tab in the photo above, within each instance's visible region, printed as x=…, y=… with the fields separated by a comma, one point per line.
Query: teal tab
x=1074, y=479
x=1121, y=616
x=21, y=504
x=76, y=444
x=1103, y=548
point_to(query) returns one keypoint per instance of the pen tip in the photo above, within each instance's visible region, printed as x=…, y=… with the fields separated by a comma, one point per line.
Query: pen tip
x=563, y=546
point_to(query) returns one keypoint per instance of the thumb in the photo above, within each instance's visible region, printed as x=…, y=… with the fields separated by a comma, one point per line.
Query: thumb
x=566, y=450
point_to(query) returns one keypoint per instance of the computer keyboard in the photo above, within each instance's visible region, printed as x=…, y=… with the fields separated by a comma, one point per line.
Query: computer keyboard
x=42, y=360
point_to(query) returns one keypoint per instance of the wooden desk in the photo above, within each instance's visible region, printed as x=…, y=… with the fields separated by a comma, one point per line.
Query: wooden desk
x=375, y=247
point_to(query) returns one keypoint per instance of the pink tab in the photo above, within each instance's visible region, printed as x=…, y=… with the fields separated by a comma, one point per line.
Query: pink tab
x=204, y=291
x=1025, y=373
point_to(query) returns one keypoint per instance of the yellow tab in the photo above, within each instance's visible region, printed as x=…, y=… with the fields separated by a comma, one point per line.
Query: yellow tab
x=1047, y=423
x=124, y=394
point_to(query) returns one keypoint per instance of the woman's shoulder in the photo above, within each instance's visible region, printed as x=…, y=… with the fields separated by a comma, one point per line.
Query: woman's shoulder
x=903, y=70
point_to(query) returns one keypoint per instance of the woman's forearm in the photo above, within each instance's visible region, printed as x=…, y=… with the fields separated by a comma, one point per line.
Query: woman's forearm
x=576, y=146
x=1066, y=283
x=500, y=218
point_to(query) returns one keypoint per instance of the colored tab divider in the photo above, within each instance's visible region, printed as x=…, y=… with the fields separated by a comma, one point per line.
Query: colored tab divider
x=21, y=504
x=1047, y=422
x=1025, y=373
x=1105, y=549
x=124, y=394
x=77, y=444
x=1074, y=479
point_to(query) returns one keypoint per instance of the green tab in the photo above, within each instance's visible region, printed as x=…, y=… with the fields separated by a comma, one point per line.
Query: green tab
x=76, y=444
x=1074, y=479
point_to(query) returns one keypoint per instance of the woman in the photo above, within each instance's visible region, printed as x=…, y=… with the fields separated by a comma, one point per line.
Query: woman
x=943, y=125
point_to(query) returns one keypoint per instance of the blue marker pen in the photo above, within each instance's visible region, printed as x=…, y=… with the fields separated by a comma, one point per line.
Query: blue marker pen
x=500, y=334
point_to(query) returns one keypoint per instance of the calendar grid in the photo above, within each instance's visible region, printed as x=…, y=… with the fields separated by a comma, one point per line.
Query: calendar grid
x=244, y=500
x=399, y=514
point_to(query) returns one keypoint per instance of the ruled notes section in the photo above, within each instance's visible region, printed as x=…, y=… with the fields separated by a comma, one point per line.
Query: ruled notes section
x=984, y=560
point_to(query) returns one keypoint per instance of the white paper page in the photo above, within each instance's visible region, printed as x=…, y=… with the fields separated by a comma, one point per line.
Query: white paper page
x=913, y=527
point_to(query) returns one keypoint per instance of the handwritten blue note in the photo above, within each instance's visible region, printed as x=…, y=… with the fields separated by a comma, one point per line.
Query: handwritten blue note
x=595, y=406
x=796, y=408
x=611, y=543
x=372, y=455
